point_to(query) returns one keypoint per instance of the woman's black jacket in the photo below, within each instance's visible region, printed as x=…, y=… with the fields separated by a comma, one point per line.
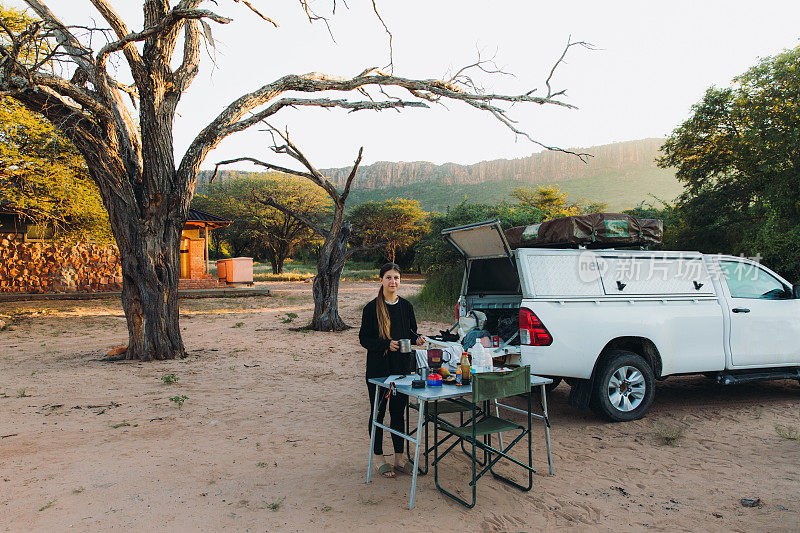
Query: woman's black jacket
x=380, y=361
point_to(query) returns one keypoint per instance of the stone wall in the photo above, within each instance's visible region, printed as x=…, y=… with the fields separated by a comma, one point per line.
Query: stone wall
x=47, y=267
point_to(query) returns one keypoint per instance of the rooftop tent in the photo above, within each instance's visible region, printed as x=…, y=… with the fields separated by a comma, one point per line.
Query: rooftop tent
x=595, y=230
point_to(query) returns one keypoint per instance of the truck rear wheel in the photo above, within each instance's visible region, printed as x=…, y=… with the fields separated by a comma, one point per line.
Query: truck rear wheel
x=624, y=387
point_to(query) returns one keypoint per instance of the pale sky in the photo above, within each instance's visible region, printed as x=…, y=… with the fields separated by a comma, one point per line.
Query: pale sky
x=654, y=59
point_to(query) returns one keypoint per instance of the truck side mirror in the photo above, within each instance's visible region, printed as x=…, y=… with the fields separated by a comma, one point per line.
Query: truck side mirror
x=796, y=291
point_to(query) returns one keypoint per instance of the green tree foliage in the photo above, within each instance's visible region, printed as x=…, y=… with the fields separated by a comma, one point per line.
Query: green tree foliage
x=434, y=253
x=42, y=176
x=258, y=229
x=549, y=200
x=553, y=202
x=669, y=215
x=398, y=223
x=595, y=207
x=738, y=155
x=442, y=264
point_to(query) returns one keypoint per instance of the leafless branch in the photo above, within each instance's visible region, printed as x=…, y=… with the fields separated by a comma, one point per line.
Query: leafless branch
x=72, y=45
x=106, y=86
x=290, y=149
x=313, y=17
x=570, y=44
x=188, y=69
x=257, y=12
x=352, y=175
x=364, y=248
x=173, y=17
x=488, y=66
x=269, y=201
x=74, y=92
x=121, y=30
x=429, y=90
x=260, y=163
x=390, y=66
x=318, y=102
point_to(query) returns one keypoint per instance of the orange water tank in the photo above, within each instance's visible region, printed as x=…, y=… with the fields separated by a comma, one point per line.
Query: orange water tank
x=185, y=262
x=239, y=270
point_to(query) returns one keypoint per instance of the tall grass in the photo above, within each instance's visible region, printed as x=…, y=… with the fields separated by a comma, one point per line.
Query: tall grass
x=437, y=300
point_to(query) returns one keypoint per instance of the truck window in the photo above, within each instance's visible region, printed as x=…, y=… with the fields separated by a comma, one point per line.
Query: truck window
x=746, y=280
x=493, y=276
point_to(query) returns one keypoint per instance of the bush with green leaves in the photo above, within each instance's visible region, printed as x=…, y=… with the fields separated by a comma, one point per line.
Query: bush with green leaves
x=443, y=265
x=737, y=156
x=434, y=254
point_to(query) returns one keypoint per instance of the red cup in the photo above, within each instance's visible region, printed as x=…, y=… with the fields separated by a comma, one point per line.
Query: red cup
x=496, y=341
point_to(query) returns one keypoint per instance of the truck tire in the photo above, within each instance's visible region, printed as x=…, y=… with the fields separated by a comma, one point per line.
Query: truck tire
x=624, y=387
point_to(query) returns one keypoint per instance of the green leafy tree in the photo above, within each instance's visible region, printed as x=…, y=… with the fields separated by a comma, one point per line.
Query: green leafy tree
x=670, y=215
x=738, y=155
x=44, y=179
x=594, y=207
x=441, y=263
x=42, y=176
x=549, y=200
x=262, y=229
x=394, y=225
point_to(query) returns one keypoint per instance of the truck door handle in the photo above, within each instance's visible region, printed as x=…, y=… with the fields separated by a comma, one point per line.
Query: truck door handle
x=741, y=310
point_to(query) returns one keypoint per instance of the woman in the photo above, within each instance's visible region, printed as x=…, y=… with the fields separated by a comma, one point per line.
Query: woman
x=385, y=320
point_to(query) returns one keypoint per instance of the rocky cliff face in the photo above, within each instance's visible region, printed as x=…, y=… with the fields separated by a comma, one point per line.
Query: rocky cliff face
x=545, y=167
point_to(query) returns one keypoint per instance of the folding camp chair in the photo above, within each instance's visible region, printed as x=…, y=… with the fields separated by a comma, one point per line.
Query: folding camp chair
x=433, y=413
x=486, y=387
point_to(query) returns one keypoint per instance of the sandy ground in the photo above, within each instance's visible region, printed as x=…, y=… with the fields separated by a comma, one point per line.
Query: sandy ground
x=272, y=436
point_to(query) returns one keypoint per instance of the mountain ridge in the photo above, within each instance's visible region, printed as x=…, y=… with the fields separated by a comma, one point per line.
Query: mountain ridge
x=621, y=174
x=539, y=168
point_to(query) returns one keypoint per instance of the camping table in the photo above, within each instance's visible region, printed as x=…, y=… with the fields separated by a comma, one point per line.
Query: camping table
x=430, y=394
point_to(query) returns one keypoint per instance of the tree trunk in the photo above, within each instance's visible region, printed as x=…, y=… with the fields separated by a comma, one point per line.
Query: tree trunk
x=273, y=262
x=150, y=271
x=279, y=251
x=330, y=264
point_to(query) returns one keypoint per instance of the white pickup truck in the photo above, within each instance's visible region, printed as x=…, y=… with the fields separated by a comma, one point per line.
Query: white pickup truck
x=611, y=322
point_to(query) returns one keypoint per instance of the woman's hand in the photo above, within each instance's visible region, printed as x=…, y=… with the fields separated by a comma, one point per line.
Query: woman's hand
x=420, y=341
x=394, y=346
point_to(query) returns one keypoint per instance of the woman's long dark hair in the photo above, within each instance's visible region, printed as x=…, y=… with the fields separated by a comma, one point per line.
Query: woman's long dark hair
x=384, y=322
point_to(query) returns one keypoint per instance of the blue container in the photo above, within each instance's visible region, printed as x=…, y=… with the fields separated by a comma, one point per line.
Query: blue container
x=432, y=382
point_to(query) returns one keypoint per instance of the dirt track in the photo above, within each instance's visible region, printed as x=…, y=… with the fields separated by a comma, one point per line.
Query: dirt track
x=272, y=436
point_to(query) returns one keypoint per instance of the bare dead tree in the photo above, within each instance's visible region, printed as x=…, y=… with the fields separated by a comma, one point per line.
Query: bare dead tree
x=146, y=190
x=334, y=252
